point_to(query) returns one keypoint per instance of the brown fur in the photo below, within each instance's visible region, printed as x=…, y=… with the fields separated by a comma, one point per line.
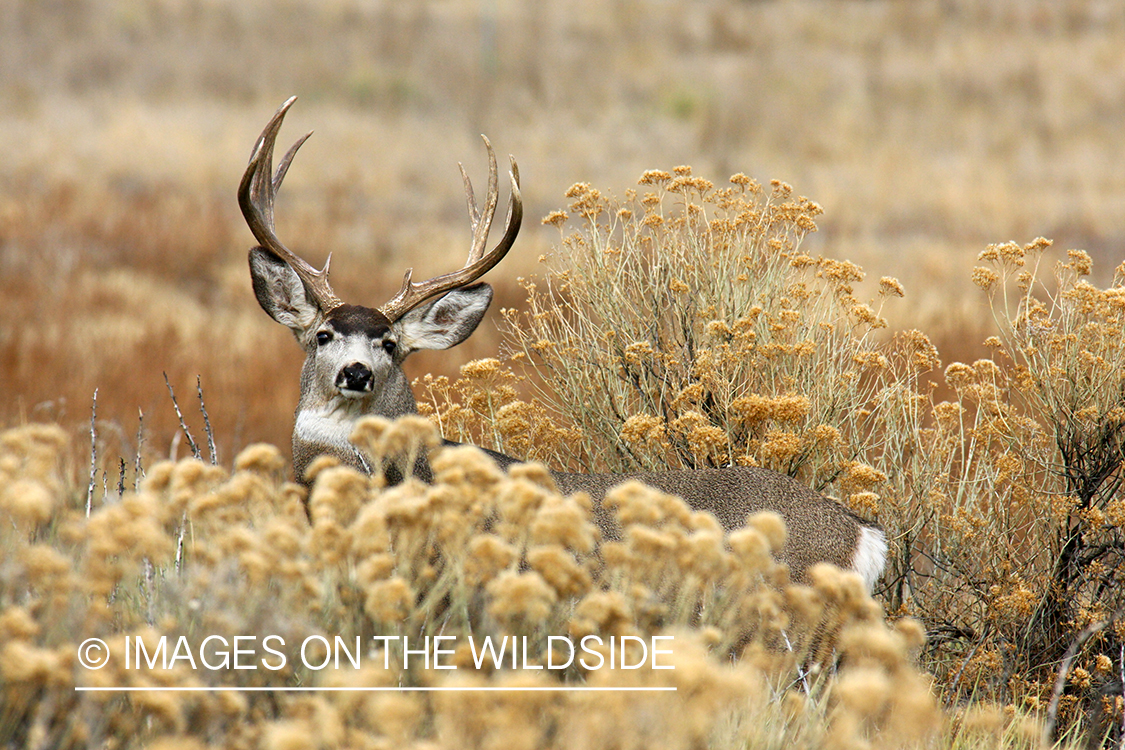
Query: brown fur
x=731, y=495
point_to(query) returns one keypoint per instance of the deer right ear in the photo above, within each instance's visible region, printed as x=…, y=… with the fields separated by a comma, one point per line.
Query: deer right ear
x=280, y=292
x=446, y=321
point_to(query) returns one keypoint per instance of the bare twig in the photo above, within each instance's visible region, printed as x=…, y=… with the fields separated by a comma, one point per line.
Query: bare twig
x=800, y=668
x=206, y=423
x=961, y=671
x=180, y=541
x=93, y=453
x=1060, y=680
x=149, y=571
x=183, y=425
x=138, y=470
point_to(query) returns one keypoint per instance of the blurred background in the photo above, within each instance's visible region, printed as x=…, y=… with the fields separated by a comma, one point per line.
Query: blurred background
x=926, y=130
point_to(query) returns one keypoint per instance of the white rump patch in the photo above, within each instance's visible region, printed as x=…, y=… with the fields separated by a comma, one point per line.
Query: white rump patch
x=870, y=555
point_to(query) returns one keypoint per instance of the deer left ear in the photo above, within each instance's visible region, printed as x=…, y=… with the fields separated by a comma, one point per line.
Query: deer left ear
x=280, y=292
x=445, y=322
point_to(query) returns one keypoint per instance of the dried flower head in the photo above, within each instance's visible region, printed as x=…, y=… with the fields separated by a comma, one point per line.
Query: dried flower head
x=559, y=569
x=556, y=218
x=262, y=458
x=389, y=601
x=564, y=522
x=889, y=286
x=27, y=502
x=985, y=278
x=520, y=598
x=488, y=555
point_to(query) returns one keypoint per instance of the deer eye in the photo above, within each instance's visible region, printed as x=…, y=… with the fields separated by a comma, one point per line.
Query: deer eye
x=389, y=347
x=323, y=337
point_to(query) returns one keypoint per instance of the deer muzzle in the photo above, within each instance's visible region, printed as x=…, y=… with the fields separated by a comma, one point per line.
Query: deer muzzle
x=355, y=379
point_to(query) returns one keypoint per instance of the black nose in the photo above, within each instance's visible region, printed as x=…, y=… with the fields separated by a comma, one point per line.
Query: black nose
x=355, y=377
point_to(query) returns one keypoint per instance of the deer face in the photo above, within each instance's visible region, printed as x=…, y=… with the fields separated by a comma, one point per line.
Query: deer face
x=354, y=354
x=353, y=351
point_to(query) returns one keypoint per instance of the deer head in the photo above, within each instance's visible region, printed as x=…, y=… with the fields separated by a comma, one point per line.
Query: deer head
x=354, y=354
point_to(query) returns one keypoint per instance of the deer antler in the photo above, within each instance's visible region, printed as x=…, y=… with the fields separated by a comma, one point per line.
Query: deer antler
x=478, y=263
x=256, y=195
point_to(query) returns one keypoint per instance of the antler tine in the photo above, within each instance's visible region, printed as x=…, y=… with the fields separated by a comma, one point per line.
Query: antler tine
x=478, y=228
x=478, y=263
x=256, y=194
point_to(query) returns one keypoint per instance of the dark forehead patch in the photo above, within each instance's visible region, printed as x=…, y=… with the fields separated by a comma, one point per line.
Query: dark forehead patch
x=349, y=319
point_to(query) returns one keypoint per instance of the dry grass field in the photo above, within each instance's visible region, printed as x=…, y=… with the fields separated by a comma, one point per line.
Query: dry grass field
x=925, y=131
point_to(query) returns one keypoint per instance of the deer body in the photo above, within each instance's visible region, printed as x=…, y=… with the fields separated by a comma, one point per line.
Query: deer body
x=353, y=368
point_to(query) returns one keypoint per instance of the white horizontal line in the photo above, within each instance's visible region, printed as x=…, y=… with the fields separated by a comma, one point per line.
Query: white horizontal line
x=561, y=688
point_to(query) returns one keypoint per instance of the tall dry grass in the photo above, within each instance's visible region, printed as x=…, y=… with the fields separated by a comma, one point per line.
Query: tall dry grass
x=925, y=131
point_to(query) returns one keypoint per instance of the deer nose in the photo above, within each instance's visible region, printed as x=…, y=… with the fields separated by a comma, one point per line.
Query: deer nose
x=355, y=377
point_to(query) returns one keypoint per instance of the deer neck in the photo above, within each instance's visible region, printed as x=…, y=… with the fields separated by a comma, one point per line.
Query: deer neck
x=324, y=423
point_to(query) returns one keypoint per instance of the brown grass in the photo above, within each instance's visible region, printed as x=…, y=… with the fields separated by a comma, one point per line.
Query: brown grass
x=925, y=134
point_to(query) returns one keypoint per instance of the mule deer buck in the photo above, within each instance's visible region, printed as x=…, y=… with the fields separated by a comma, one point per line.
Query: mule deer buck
x=353, y=368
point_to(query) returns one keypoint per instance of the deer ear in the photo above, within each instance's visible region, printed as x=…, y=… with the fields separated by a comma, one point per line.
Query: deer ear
x=280, y=292
x=445, y=322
